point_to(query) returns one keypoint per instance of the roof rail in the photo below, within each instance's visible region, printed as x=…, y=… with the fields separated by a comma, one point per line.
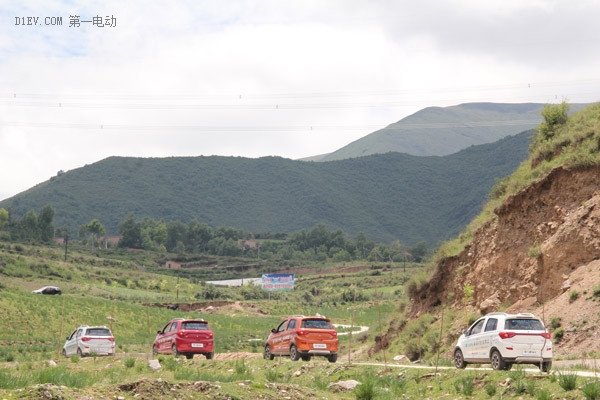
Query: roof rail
x=526, y=314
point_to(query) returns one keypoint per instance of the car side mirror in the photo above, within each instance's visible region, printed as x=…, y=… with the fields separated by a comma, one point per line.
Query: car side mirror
x=67, y=338
x=158, y=332
x=273, y=330
x=466, y=332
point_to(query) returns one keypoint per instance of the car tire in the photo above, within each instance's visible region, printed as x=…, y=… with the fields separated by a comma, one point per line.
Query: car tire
x=546, y=366
x=154, y=351
x=64, y=352
x=332, y=358
x=79, y=352
x=294, y=355
x=497, y=361
x=174, y=351
x=189, y=356
x=305, y=357
x=209, y=356
x=459, y=360
x=268, y=355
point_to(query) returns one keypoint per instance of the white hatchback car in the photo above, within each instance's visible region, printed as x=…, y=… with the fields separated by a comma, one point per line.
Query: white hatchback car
x=504, y=339
x=90, y=340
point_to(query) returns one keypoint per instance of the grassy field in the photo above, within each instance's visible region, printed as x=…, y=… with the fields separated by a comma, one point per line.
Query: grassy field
x=119, y=289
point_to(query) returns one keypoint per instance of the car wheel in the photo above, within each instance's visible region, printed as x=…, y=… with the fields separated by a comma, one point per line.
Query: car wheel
x=209, y=356
x=154, y=351
x=546, y=366
x=459, y=360
x=497, y=361
x=174, y=351
x=294, y=355
x=332, y=358
x=189, y=356
x=268, y=354
x=305, y=357
x=79, y=353
x=64, y=352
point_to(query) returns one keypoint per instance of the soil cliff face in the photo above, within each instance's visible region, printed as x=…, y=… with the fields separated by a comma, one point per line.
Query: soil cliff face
x=526, y=255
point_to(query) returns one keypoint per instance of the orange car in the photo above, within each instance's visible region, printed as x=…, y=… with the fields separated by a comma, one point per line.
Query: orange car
x=303, y=337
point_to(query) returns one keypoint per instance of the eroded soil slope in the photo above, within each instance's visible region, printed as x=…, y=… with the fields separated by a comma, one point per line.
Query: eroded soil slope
x=527, y=255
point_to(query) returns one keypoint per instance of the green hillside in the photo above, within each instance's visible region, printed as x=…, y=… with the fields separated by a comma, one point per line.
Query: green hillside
x=445, y=130
x=387, y=196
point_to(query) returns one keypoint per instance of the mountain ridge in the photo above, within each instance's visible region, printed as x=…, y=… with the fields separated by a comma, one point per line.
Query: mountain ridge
x=387, y=196
x=445, y=130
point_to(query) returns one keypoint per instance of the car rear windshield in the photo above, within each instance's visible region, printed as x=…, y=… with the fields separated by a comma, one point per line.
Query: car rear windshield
x=316, y=323
x=524, y=324
x=98, y=332
x=194, y=326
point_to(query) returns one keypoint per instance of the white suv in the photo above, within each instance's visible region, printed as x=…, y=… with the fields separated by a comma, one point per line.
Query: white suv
x=503, y=340
x=89, y=340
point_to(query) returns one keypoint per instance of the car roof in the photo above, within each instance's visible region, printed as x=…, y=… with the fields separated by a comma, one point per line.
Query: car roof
x=506, y=315
x=92, y=326
x=318, y=316
x=189, y=319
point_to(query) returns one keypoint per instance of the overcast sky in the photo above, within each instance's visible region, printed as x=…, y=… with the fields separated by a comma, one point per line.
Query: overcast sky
x=257, y=78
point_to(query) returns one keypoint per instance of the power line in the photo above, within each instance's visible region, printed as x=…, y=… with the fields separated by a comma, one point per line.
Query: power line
x=286, y=128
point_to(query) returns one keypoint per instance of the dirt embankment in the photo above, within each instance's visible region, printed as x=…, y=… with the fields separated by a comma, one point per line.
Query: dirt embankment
x=531, y=253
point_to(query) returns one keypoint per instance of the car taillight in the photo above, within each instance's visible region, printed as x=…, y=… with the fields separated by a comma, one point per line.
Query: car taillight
x=86, y=339
x=333, y=333
x=111, y=339
x=506, y=335
x=180, y=333
x=300, y=333
x=546, y=335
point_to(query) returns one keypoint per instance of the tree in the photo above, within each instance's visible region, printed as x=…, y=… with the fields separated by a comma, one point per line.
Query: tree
x=29, y=224
x=131, y=231
x=66, y=235
x=96, y=229
x=197, y=236
x=176, y=235
x=419, y=252
x=45, y=227
x=3, y=217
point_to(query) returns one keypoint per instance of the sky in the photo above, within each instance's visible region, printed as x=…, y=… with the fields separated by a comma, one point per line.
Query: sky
x=289, y=78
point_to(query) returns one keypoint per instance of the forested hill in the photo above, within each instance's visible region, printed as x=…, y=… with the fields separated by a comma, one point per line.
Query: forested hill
x=387, y=196
x=445, y=130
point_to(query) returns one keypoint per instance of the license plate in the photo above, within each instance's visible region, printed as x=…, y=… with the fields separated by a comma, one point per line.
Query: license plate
x=319, y=346
x=197, y=344
x=530, y=352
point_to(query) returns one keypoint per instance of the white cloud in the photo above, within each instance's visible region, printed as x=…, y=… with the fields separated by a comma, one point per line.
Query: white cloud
x=312, y=75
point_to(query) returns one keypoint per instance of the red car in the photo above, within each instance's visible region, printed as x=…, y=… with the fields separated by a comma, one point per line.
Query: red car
x=185, y=337
x=303, y=337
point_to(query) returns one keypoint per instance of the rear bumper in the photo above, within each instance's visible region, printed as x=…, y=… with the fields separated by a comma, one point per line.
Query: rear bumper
x=98, y=351
x=195, y=347
x=528, y=360
x=317, y=352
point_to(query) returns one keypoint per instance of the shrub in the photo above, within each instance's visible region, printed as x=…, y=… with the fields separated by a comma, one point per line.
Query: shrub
x=555, y=323
x=567, y=381
x=573, y=295
x=464, y=386
x=519, y=386
x=490, y=389
x=554, y=116
x=591, y=390
x=130, y=362
x=543, y=395
x=558, y=334
x=366, y=390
